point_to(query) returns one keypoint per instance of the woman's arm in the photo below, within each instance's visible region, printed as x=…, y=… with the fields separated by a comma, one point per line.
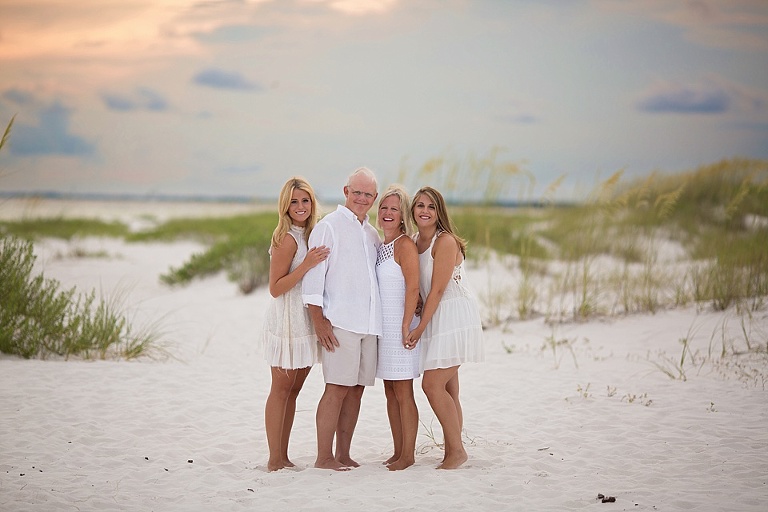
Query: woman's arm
x=281, y=279
x=445, y=254
x=407, y=256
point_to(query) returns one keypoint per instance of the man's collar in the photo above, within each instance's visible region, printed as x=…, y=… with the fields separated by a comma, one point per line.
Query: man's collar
x=350, y=214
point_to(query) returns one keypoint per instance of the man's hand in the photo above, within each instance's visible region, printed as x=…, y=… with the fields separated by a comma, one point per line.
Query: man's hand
x=323, y=329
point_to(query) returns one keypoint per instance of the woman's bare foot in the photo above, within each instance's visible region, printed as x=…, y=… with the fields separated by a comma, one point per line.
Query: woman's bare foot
x=348, y=462
x=275, y=466
x=401, y=463
x=332, y=464
x=454, y=460
x=288, y=464
x=391, y=460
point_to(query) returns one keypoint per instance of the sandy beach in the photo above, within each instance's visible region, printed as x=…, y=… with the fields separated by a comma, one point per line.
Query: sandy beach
x=547, y=426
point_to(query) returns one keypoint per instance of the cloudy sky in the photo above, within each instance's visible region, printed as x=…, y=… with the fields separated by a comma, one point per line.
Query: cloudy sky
x=231, y=97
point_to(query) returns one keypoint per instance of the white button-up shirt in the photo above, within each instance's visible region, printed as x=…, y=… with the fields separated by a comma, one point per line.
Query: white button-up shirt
x=345, y=283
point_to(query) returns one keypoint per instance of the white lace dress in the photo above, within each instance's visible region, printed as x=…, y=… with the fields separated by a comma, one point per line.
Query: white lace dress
x=395, y=361
x=454, y=335
x=288, y=337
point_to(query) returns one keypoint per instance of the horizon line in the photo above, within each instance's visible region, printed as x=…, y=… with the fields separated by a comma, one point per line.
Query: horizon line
x=223, y=198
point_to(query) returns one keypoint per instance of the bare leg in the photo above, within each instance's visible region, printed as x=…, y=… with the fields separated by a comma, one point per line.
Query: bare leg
x=290, y=413
x=328, y=412
x=409, y=424
x=435, y=383
x=274, y=414
x=393, y=413
x=453, y=389
x=345, y=428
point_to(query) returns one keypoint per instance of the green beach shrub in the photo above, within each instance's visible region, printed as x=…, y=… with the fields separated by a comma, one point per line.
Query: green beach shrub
x=237, y=245
x=38, y=319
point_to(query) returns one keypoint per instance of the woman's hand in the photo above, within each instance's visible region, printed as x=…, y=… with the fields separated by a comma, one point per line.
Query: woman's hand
x=316, y=255
x=412, y=338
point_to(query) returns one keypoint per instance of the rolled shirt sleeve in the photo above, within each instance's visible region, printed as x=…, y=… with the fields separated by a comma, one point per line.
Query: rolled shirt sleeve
x=313, y=282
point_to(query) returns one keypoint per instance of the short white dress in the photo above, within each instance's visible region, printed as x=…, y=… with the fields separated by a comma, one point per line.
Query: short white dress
x=289, y=337
x=454, y=335
x=395, y=361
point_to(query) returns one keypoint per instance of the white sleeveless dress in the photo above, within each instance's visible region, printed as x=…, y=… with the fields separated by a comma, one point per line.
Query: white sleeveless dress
x=395, y=361
x=454, y=335
x=289, y=337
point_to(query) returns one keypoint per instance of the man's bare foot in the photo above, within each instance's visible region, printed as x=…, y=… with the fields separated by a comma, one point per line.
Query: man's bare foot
x=454, y=460
x=332, y=464
x=391, y=460
x=348, y=462
x=401, y=463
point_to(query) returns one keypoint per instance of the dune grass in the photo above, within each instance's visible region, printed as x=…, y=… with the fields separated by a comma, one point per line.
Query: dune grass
x=65, y=229
x=238, y=245
x=39, y=319
x=716, y=214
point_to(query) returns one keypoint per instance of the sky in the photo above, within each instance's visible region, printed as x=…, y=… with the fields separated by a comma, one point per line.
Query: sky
x=233, y=97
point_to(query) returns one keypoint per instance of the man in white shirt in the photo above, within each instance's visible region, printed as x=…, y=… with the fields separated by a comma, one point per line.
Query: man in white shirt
x=342, y=295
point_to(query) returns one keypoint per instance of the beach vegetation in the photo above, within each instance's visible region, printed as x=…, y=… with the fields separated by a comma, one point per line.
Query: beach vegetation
x=583, y=391
x=642, y=399
x=39, y=319
x=733, y=353
x=62, y=228
x=433, y=441
x=558, y=346
x=237, y=245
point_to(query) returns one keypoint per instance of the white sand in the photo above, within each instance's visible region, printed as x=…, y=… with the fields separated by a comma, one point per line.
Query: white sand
x=544, y=430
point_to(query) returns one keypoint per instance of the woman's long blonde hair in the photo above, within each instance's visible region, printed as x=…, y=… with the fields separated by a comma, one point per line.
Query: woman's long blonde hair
x=444, y=222
x=284, y=202
x=405, y=212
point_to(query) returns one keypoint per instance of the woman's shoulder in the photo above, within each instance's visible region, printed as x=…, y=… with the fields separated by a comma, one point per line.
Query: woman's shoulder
x=444, y=239
x=287, y=242
x=405, y=243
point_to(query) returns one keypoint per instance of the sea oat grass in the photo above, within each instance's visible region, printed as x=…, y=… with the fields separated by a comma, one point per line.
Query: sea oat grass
x=62, y=228
x=245, y=258
x=39, y=319
x=208, y=230
x=504, y=230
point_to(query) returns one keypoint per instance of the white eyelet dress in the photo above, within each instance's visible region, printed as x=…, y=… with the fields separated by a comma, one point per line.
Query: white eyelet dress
x=454, y=335
x=395, y=361
x=288, y=336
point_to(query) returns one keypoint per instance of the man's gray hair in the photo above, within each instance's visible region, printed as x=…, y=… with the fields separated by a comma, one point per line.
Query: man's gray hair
x=364, y=171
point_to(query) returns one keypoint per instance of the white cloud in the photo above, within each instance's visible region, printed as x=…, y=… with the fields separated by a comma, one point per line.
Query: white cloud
x=736, y=24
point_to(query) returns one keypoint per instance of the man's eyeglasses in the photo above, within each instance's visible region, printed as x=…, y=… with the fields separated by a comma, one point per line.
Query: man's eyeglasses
x=359, y=193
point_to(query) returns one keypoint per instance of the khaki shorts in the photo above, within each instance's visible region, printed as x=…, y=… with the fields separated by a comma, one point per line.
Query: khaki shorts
x=353, y=362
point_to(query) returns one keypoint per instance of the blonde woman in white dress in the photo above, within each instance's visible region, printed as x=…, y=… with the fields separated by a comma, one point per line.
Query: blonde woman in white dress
x=449, y=330
x=397, y=271
x=290, y=344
